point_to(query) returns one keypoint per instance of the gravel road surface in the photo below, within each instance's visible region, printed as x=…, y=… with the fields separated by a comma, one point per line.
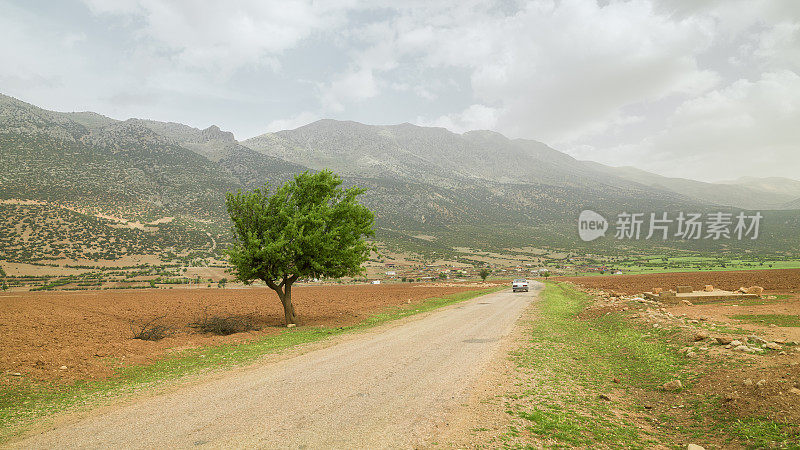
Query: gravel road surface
x=389, y=387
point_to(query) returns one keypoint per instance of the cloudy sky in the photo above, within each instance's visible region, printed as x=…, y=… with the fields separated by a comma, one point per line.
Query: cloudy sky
x=701, y=89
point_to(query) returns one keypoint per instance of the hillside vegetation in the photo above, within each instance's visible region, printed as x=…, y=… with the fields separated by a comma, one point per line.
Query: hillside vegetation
x=478, y=189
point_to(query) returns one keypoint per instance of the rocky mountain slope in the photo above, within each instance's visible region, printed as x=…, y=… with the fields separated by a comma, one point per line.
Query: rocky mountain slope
x=477, y=189
x=761, y=193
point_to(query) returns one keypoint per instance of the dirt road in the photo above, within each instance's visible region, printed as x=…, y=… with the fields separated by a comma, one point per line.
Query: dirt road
x=389, y=387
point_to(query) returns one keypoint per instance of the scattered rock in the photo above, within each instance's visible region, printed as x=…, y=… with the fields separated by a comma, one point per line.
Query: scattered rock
x=690, y=354
x=604, y=397
x=15, y=374
x=755, y=290
x=731, y=396
x=735, y=343
x=761, y=383
x=773, y=346
x=695, y=447
x=701, y=335
x=724, y=340
x=291, y=325
x=687, y=303
x=742, y=348
x=752, y=339
x=794, y=391
x=748, y=382
x=674, y=385
x=708, y=288
x=63, y=367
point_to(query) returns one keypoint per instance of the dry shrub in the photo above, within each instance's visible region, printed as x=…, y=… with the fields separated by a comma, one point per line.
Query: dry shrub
x=225, y=325
x=151, y=330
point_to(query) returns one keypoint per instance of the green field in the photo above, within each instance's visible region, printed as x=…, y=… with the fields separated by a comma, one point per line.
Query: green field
x=668, y=264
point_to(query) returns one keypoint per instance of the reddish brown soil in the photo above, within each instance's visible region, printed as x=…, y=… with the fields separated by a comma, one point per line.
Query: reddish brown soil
x=90, y=332
x=722, y=312
x=724, y=371
x=776, y=280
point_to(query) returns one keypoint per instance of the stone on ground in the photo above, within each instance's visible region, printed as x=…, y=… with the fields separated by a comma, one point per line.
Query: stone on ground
x=755, y=290
x=701, y=335
x=674, y=385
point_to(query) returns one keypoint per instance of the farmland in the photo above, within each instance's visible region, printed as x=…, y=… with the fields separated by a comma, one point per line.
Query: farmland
x=91, y=333
x=778, y=280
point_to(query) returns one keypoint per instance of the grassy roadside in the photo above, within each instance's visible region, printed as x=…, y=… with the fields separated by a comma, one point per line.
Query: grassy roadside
x=22, y=406
x=592, y=380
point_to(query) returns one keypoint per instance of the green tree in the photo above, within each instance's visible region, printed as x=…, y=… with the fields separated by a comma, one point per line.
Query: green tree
x=308, y=228
x=484, y=273
x=222, y=282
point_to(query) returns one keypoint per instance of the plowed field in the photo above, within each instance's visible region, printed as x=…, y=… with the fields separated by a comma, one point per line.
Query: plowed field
x=778, y=280
x=90, y=333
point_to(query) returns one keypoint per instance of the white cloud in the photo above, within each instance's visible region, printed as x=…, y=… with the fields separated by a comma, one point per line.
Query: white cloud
x=779, y=46
x=555, y=71
x=746, y=128
x=669, y=85
x=223, y=36
x=351, y=86
x=290, y=123
x=475, y=117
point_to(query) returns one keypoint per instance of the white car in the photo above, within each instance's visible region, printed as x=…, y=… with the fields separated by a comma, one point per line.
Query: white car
x=519, y=286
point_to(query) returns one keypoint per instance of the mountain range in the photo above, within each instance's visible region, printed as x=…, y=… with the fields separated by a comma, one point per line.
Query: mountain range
x=431, y=189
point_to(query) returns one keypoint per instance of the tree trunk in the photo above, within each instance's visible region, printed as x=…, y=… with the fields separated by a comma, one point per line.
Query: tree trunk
x=288, y=307
x=284, y=291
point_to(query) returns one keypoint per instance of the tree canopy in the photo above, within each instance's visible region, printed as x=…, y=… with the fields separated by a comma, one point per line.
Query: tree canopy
x=308, y=228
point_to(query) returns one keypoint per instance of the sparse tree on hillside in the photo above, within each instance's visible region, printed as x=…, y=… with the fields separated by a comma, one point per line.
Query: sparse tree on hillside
x=221, y=283
x=484, y=273
x=308, y=228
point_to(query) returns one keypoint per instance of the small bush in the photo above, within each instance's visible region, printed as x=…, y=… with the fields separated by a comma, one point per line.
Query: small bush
x=225, y=325
x=151, y=330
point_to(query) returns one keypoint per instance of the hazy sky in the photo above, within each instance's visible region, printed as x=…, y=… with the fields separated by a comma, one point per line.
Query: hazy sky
x=700, y=89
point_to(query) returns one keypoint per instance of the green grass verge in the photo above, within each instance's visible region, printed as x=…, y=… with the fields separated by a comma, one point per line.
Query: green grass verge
x=578, y=359
x=21, y=406
x=781, y=320
x=573, y=360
